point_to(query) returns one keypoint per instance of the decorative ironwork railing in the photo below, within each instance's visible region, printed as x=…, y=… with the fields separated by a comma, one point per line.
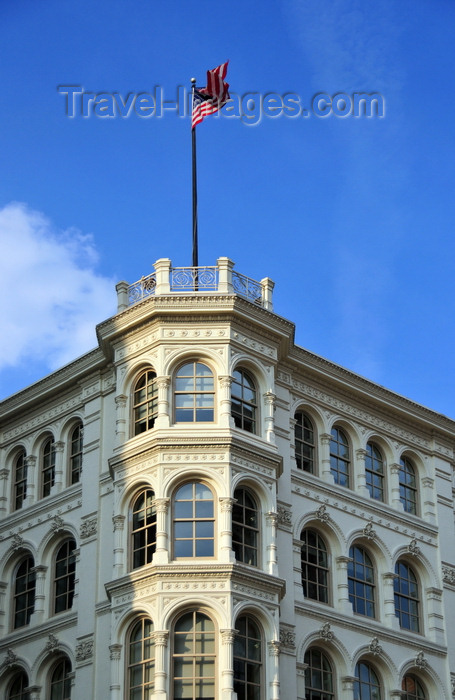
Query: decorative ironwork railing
x=246, y=287
x=190, y=279
x=141, y=289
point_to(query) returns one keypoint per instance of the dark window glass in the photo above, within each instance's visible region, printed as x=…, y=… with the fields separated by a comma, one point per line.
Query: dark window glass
x=412, y=689
x=304, y=443
x=374, y=472
x=24, y=593
x=366, y=685
x=65, y=576
x=408, y=486
x=143, y=528
x=17, y=690
x=61, y=681
x=247, y=659
x=141, y=661
x=76, y=454
x=20, y=480
x=318, y=676
x=48, y=467
x=406, y=592
x=194, y=657
x=145, y=402
x=315, y=569
x=243, y=401
x=194, y=394
x=245, y=528
x=339, y=457
x=194, y=521
x=361, y=582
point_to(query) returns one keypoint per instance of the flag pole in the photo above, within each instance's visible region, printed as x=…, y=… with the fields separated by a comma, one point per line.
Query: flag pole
x=193, y=145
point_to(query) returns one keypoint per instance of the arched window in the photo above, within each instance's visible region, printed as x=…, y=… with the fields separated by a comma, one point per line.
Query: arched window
x=366, y=685
x=408, y=486
x=65, y=576
x=374, y=472
x=145, y=402
x=24, y=592
x=319, y=683
x=315, y=566
x=143, y=528
x=194, y=657
x=47, y=467
x=245, y=527
x=248, y=660
x=61, y=681
x=339, y=457
x=76, y=454
x=20, y=480
x=17, y=689
x=243, y=401
x=141, y=660
x=412, y=689
x=361, y=582
x=304, y=442
x=406, y=593
x=194, y=521
x=194, y=394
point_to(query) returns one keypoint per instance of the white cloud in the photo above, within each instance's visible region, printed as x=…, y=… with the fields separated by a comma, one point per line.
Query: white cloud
x=52, y=297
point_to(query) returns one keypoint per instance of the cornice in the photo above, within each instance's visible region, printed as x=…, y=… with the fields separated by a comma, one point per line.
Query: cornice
x=55, y=624
x=42, y=512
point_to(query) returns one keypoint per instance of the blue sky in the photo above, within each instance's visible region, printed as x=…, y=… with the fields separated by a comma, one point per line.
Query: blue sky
x=351, y=217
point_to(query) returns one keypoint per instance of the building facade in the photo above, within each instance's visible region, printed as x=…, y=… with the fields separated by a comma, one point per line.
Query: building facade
x=201, y=509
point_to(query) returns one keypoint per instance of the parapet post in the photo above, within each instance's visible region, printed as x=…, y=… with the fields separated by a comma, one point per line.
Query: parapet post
x=225, y=266
x=163, y=273
x=267, y=288
x=122, y=296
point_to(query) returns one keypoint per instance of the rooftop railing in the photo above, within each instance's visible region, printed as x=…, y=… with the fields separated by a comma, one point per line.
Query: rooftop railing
x=218, y=279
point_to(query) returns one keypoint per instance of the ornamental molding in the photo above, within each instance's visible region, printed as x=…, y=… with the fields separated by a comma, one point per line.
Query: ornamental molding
x=413, y=547
x=89, y=528
x=274, y=647
x=17, y=542
x=115, y=652
x=358, y=413
x=251, y=344
x=84, y=650
x=322, y=515
x=420, y=661
x=448, y=574
x=10, y=659
x=287, y=636
x=374, y=647
x=284, y=513
x=57, y=523
x=369, y=532
x=138, y=345
x=452, y=684
x=41, y=419
x=325, y=633
x=52, y=643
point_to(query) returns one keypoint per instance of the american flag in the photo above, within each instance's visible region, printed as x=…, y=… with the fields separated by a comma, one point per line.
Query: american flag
x=211, y=98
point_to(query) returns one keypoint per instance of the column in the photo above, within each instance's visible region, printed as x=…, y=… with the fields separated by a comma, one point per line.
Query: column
x=394, y=472
x=390, y=618
x=269, y=401
x=122, y=295
x=161, y=640
x=343, y=588
x=33, y=692
x=4, y=474
x=225, y=382
x=161, y=555
x=267, y=289
x=297, y=559
x=119, y=525
x=274, y=654
x=225, y=531
x=227, y=664
x=326, y=472
x=40, y=575
x=30, y=461
x=271, y=519
x=120, y=419
x=115, y=654
x=163, y=271
x=360, y=475
x=77, y=561
x=59, y=476
x=162, y=418
x=225, y=266
x=301, y=668
x=427, y=499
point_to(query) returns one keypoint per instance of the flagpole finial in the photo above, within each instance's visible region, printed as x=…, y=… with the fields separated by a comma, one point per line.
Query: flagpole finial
x=193, y=80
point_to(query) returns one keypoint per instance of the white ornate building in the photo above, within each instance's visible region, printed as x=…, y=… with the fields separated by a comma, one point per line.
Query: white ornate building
x=199, y=508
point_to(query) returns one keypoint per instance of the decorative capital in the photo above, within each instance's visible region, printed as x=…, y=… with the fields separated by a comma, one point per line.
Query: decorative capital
x=115, y=652
x=118, y=522
x=413, y=547
x=59, y=446
x=161, y=638
x=269, y=398
x=271, y=518
x=326, y=633
x=227, y=504
x=225, y=381
x=274, y=647
x=325, y=438
x=228, y=636
x=30, y=461
x=361, y=454
x=374, y=647
x=163, y=382
x=120, y=400
x=369, y=531
x=162, y=504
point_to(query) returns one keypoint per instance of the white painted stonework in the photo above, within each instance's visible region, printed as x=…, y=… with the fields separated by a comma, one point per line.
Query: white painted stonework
x=231, y=325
